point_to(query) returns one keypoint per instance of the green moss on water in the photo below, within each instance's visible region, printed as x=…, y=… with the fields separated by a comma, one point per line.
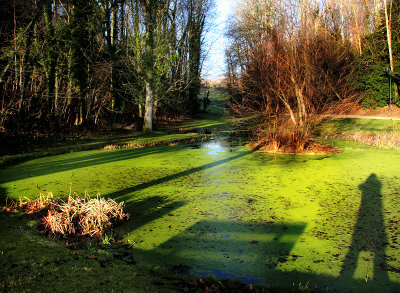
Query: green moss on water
x=272, y=219
x=323, y=222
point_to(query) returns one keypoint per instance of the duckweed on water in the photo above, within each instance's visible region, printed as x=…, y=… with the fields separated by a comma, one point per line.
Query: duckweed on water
x=327, y=221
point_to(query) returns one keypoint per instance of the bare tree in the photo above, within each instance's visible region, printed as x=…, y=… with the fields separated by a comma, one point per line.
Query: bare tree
x=291, y=73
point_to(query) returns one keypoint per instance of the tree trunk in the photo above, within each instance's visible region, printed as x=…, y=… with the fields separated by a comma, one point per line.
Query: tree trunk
x=78, y=62
x=116, y=101
x=388, y=19
x=148, y=115
x=150, y=9
x=51, y=58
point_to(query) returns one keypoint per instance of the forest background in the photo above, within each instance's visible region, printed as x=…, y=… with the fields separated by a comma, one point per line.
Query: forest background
x=92, y=64
x=85, y=63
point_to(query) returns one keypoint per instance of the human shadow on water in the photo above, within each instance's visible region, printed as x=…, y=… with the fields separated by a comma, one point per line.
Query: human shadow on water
x=369, y=233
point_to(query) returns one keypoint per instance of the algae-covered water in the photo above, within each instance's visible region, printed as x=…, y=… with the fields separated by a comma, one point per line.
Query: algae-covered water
x=330, y=222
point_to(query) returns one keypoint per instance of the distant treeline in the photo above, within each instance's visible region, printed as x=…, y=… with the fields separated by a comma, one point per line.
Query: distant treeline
x=82, y=62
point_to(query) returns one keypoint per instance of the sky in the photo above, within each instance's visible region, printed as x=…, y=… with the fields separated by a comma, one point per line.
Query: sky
x=216, y=43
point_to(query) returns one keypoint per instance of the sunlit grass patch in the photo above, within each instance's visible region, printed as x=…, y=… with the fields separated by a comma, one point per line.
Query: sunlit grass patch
x=159, y=139
x=353, y=125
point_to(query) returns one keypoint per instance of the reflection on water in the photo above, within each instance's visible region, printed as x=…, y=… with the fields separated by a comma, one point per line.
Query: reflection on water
x=215, y=147
x=221, y=144
x=226, y=144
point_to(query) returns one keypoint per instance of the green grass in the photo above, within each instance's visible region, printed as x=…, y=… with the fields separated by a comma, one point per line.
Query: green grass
x=105, y=141
x=382, y=134
x=212, y=120
x=351, y=126
x=326, y=222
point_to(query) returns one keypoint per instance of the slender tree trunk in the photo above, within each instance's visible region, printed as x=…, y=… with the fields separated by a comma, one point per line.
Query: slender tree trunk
x=196, y=23
x=26, y=66
x=112, y=39
x=388, y=19
x=377, y=15
x=81, y=11
x=148, y=115
x=51, y=58
x=150, y=12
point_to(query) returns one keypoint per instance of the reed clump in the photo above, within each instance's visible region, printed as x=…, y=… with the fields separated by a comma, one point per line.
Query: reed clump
x=382, y=140
x=77, y=216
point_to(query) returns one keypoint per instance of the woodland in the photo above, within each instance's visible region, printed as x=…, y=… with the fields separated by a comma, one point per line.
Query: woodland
x=90, y=63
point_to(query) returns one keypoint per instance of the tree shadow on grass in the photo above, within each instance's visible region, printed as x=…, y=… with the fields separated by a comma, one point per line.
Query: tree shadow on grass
x=369, y=233
x=51, y=165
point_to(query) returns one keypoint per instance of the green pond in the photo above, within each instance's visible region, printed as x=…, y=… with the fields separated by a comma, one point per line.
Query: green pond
x=326, y=222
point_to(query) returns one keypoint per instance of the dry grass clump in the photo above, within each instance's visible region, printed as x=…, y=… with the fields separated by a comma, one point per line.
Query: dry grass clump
x=382, y=140
x=37, y=206
x=280, y=137
x=84, y=216
x=78, y=216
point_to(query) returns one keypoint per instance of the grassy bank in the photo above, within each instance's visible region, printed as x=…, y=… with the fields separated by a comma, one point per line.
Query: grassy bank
x=353, y=125
x=188, y=131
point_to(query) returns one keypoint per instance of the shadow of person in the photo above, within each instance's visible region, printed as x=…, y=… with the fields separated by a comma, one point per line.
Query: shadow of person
x=369, y=233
